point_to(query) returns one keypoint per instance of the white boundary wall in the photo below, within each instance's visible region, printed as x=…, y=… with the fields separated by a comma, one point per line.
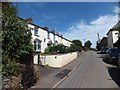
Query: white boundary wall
x=57, y=60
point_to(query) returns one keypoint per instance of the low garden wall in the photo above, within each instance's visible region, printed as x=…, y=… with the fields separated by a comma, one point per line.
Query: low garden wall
x=57, y=60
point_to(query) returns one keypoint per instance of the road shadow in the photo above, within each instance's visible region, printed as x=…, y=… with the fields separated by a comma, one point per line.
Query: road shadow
x=45, y=70
x=63, y=73
x=105, y=60
x=114, y=72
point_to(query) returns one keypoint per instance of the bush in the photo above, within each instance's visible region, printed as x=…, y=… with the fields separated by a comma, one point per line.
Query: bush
x=74, y=48
x=60, y=49
x=51, y=50
x=11, y=69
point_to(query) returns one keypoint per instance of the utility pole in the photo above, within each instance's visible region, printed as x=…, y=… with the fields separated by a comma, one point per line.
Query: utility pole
x=54, y=35
x=84, y=42
x=98, y=37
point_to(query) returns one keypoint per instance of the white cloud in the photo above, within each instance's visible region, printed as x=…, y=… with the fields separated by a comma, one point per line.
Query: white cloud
x=89, y=31
x=115, y=9
x=102, y=20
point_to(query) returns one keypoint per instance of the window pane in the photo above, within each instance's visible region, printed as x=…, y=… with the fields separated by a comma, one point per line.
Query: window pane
x=36, y=31
x=39, y=46
x=34, y=45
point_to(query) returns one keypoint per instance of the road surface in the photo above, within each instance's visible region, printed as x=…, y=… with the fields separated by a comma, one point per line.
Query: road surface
x=92, y=72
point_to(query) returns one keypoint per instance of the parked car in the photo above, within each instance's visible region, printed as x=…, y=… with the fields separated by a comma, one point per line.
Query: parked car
x=104, y=50
x=112, y=55
x=119, y=60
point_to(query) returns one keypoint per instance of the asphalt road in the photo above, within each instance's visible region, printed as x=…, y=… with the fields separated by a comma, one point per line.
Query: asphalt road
x=92, y=72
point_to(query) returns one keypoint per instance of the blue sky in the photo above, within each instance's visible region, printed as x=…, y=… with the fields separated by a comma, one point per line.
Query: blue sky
x=80, y=20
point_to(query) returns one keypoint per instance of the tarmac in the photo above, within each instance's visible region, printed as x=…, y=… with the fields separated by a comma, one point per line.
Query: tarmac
x=49, y=77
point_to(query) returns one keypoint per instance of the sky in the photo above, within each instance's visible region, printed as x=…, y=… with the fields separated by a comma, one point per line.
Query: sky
x=74, y=20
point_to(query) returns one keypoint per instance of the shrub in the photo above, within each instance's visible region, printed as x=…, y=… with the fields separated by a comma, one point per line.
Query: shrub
x=61, y=48
x=74, y=48
x=16, y=45
x=11, y=69
x=51, y=50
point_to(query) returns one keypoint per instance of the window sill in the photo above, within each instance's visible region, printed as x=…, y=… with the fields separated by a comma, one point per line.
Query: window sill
x=36, y=35
x=37, y=51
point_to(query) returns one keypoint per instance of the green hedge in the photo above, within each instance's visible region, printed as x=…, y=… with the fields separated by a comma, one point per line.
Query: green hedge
x=61, y=49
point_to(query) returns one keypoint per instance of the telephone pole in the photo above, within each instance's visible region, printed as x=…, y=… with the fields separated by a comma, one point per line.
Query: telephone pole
x=98, y=37
x=84, y=42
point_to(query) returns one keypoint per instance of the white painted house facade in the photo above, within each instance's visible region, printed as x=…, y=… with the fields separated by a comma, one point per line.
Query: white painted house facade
x=41, y=38
x=112, y=36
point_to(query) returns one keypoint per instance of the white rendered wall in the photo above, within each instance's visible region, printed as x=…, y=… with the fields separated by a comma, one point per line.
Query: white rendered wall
x=51, y=37
x=59, y=40
x=112, y=38
x=115, y=36
x=58, y=60
x=43, y=38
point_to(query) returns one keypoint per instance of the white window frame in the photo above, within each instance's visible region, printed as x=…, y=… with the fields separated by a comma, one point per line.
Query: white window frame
x=36, y=32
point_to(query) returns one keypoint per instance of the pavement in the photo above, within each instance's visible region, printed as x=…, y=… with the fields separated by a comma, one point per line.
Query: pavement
x=49, y=76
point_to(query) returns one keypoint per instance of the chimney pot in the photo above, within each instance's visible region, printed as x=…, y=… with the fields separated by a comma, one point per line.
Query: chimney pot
x=29, y=20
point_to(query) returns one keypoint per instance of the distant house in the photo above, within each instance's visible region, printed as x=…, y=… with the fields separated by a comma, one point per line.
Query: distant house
x=112, y=35
x=103, y=42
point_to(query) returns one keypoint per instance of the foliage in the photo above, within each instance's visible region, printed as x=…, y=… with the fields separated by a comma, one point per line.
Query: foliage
x=28, y=73
x=11, y=69
x=88, y=44
x=77, y=42
x=51, y=50
x=76, y=46
x=60, y=48
x=72, y=48
x=16, y=38
x=16, y=46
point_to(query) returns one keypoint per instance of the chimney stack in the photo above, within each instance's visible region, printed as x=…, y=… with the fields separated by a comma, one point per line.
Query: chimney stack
x=29, y=20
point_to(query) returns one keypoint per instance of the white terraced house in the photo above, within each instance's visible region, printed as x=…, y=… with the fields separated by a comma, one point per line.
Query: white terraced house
x=41, y=38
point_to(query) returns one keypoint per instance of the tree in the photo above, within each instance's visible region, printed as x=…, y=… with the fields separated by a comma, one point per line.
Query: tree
x=76, y=46
x=61, y=48
x=77, y=42
x=88, y=44
x=16, y=45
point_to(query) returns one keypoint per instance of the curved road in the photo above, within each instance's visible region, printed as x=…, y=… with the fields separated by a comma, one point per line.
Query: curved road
x=91, y=73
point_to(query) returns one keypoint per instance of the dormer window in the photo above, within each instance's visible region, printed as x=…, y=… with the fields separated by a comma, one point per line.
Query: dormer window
x=36, y=32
